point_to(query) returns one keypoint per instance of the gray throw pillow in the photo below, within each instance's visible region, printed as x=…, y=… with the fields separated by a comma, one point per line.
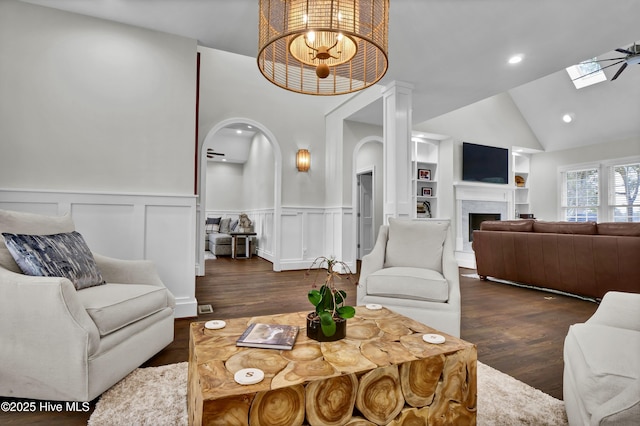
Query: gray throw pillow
x=225, y=225
x=59, y=255
x=15, y=222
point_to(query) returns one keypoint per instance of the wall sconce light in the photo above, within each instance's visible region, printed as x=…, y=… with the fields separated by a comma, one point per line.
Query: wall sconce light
x=303, y=160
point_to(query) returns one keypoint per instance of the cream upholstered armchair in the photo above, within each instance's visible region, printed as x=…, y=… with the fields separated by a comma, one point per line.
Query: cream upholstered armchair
x=70, y=339
x=601, y=383
x=412, y=270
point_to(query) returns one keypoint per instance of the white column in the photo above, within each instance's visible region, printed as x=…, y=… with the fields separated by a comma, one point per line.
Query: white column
x=397, y=99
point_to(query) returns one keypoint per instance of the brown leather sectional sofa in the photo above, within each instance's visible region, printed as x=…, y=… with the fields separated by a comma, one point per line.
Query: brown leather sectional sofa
x=586, y=259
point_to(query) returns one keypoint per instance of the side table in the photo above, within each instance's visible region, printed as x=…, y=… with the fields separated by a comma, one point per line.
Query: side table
x=236, y=236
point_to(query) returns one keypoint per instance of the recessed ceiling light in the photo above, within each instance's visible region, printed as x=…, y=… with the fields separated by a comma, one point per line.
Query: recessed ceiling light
x=567, y=118
x=239, y=132
x=249, y=127
x=516, y=59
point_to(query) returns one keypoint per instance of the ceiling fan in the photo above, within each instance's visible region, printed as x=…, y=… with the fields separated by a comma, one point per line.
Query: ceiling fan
x=213, y=154
x=632, y=58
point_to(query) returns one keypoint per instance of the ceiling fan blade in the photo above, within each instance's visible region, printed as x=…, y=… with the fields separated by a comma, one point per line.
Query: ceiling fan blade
x=601, y=60
x=593, y=72
x=628, y=52
x=619, y=71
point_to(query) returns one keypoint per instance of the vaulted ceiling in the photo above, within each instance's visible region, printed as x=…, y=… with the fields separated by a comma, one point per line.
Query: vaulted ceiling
x=455, y=53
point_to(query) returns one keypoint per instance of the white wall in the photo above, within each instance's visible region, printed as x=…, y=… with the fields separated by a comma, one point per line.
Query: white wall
x=258, y=175
x=543, y=177
x=88, y=104
x=494, y=121
x=225, y=186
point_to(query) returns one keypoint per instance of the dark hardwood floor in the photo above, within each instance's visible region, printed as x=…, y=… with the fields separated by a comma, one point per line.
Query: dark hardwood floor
x=518, y=331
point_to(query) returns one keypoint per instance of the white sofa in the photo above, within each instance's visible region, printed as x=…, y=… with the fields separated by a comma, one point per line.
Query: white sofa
x=602, y=364
x=60, y=343
x=412, y=270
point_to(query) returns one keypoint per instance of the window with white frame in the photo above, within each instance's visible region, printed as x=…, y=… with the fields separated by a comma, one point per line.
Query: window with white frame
x=601, y=192
x=624, y=203
x=580, y=195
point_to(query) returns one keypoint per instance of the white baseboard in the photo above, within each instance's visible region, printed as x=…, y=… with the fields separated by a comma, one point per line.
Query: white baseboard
x=466, y=259
x=186, y=308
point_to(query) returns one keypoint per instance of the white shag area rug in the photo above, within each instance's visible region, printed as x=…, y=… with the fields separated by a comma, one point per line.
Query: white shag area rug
x=157, y=396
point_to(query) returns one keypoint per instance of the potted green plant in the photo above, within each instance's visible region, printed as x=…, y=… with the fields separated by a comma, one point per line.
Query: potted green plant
x=328, y=322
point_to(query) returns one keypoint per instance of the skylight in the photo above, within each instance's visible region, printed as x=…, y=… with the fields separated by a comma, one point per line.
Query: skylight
x=586, y=73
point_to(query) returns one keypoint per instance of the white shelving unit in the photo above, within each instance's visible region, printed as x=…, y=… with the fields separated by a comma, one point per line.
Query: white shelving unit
x=521, y=170
x=424, y=165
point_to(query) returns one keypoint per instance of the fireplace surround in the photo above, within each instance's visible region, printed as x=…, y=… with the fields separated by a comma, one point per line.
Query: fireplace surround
x=478, y=198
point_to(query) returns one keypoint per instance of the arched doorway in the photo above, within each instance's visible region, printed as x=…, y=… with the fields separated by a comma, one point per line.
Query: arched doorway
x=367, y=193
x=202, y=185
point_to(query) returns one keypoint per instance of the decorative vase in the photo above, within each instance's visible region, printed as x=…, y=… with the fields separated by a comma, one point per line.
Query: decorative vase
x=314, y=330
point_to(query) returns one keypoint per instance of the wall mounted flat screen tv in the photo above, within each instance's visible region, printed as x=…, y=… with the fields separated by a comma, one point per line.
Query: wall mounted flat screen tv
x=488, y=164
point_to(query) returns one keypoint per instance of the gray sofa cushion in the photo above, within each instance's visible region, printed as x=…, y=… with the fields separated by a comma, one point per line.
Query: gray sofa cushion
x=221, y=239
x=114, y=306
x=415, y=244
x=59, y=255
x=408, y=283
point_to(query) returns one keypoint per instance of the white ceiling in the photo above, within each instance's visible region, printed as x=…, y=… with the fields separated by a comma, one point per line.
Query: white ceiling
x=455, y=53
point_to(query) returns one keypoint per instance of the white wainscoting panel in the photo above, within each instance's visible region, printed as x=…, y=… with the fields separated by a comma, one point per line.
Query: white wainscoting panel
x=106, y=226
x=292, y=237
x=339, y=235
x=160, y=228
x=314, y=238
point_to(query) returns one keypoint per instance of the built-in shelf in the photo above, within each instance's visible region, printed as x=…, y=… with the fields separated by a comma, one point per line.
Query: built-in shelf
x=521, y=168
x=424, y=184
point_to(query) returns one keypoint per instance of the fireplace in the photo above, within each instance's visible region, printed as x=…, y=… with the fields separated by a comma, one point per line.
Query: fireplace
x=475, y=219
x=477, y=198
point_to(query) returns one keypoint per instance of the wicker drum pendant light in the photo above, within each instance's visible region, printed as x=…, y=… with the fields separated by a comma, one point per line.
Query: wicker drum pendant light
x=323, y=47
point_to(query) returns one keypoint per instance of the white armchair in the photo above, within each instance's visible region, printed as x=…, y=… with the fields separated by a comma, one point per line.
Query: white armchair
x=601, y=383
x=412, y=270
x=60, y=343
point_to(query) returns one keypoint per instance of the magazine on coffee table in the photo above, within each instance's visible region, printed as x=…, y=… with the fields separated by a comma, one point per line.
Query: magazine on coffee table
x=269, y=336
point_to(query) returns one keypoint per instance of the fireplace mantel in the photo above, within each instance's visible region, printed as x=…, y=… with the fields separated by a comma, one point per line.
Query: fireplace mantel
x=498, y=198
x=483, y=191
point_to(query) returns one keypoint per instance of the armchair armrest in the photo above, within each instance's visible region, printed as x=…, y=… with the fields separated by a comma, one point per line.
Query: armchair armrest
x=624, y=406
x=42, y=322
x=372, y=262
x=451, y=271
x=128, y=271
x=618, y=309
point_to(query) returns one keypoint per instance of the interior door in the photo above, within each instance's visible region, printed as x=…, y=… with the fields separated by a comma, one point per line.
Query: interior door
x=365, y=214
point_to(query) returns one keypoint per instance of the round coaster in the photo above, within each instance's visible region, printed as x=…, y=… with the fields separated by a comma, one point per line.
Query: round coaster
x=249, y=376
x=373, y=307
x=215, y=324
x=433, y=338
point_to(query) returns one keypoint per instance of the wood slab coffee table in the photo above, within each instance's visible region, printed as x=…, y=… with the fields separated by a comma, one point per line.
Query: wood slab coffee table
x=383, y=372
